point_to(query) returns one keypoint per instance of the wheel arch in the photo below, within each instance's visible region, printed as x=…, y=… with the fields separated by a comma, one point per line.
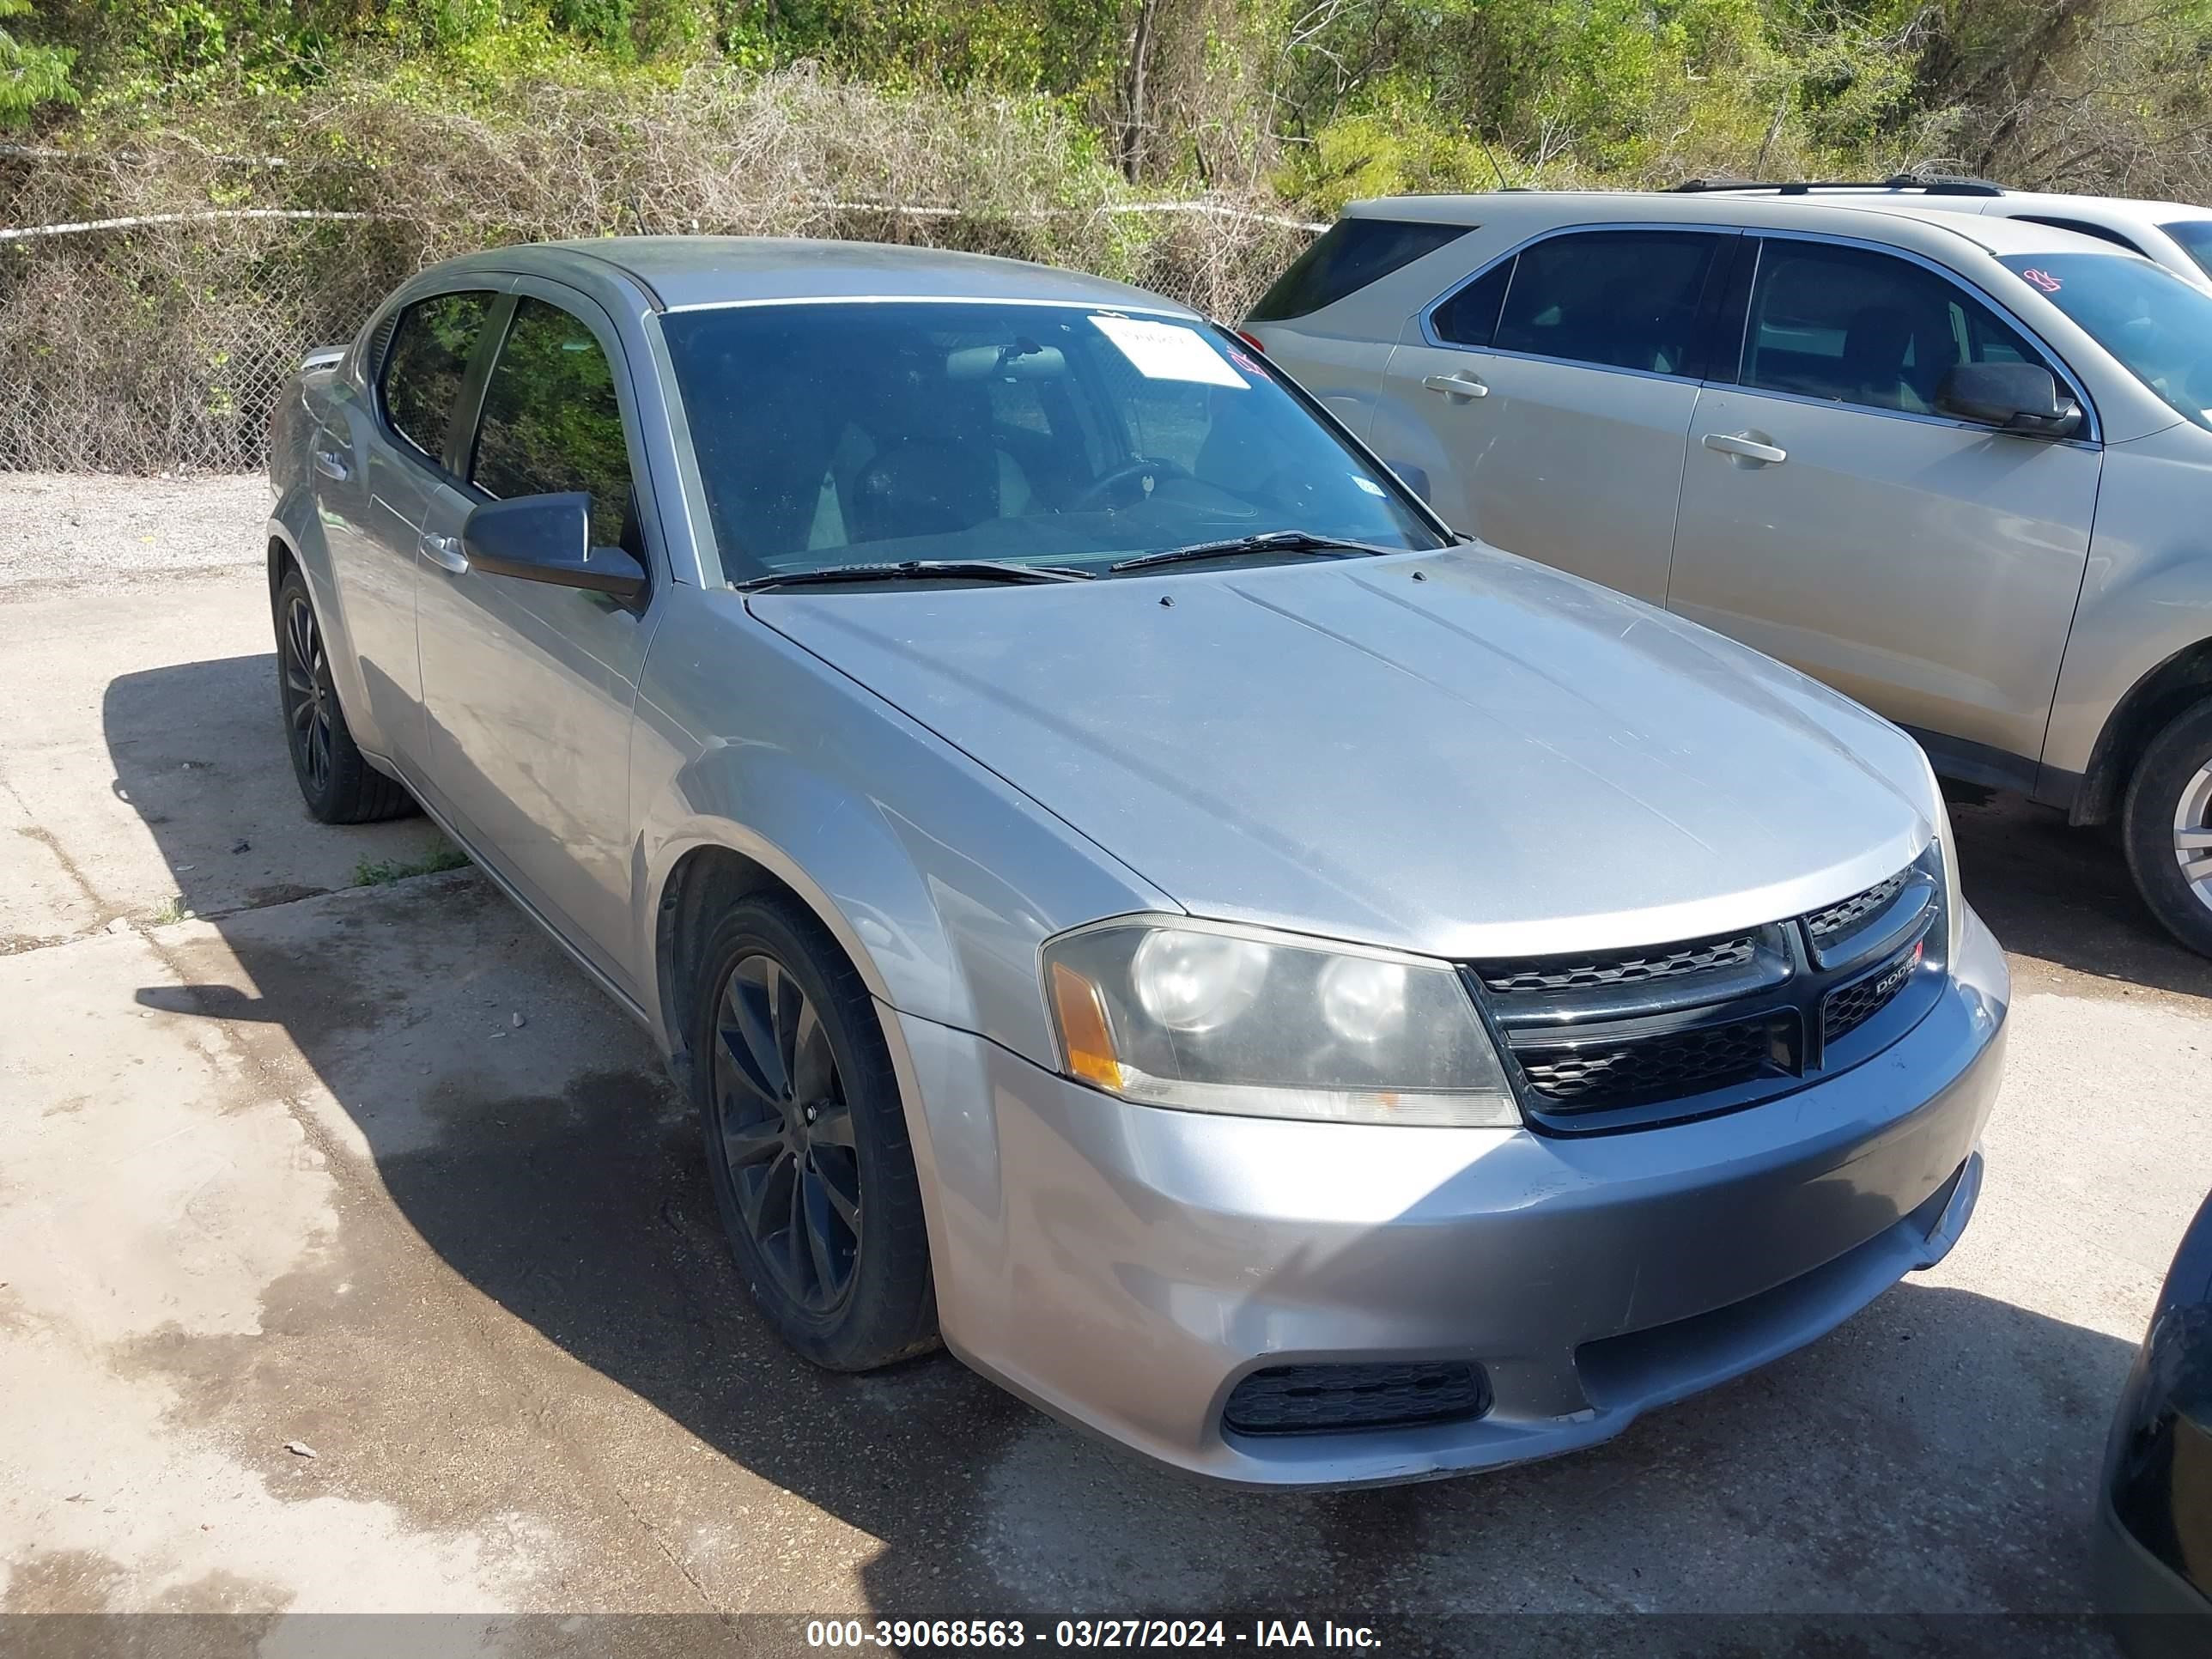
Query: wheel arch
x=2180, y=682
x=705, y=877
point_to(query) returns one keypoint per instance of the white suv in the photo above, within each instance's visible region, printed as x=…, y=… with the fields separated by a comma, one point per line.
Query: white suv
x=1959, y=466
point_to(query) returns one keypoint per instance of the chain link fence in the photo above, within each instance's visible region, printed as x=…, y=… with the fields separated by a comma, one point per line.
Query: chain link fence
x=154, y=301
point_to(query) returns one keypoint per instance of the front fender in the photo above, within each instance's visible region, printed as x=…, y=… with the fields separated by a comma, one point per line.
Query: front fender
x=938, y=879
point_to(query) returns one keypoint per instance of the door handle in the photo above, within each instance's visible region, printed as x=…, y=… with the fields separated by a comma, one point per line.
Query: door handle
x=446, y=551
x=1456, y=385
x=1746, y=449
x=332, y=466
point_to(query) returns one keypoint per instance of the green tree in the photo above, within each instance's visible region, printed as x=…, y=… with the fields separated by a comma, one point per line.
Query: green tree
x=30, y=74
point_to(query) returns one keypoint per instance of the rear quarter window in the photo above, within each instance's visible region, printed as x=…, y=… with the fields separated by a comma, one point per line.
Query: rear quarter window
x=1350, y=255
x=422, y=370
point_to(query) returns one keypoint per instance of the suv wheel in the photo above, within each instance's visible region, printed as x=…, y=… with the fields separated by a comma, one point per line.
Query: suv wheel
x=2168, y=824
x=806, y=1142
x=336, y=780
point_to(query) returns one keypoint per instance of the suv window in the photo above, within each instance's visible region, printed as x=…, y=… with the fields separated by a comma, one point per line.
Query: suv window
x=1469, y=317
x=1621, y=299
x=551, y=423
x=422, y=371
x=1350, y=254
x=2079, y=227
x=1855, y=326
x=2195, y=236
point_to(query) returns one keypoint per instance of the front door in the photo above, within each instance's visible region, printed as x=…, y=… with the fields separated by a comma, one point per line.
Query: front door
x=1557, y=387
x=1830, y=516
x=527, y=687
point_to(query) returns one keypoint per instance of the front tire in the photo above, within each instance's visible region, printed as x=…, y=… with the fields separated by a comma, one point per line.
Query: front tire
x=2167, y=823
x=336, y=779
x=806, y=1141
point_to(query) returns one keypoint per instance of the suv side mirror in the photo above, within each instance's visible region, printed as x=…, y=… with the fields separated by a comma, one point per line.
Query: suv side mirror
x=2022, y=397
x=547, y=538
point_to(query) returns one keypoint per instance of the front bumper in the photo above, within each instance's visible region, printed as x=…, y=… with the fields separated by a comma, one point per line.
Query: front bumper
x=1125, y=1266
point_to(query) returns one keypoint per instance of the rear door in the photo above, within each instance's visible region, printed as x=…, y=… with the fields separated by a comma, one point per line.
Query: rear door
x=1557, y=385
x=527, y=687
x=373, y=485
x=1832, y=517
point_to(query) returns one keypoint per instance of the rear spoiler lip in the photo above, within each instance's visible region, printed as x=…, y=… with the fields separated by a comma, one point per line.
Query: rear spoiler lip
x=322, y=357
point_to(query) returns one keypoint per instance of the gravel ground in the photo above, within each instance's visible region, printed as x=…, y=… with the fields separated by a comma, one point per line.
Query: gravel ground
x=105, y=528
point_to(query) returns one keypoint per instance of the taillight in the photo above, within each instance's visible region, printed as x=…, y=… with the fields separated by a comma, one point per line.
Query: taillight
x=1252, y=340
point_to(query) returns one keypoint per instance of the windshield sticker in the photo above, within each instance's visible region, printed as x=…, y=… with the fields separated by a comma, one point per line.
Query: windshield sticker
x=1165, y=351
x=2042, y=279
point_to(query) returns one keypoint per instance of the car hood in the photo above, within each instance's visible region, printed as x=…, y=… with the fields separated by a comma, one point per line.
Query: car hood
x=1459, y=753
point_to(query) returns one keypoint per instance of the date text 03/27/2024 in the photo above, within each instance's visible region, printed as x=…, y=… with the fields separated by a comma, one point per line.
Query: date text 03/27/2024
x=904, y=1634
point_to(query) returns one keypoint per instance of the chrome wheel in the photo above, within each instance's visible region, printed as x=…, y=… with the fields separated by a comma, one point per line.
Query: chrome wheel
x=2192, y=834
x=306, y=694
x=784, y=1128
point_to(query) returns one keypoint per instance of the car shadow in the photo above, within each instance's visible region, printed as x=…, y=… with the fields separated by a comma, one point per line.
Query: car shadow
x=2063, y=896
x=525, y=1308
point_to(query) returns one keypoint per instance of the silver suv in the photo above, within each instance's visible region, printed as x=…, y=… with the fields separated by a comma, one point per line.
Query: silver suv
x=1958, y=466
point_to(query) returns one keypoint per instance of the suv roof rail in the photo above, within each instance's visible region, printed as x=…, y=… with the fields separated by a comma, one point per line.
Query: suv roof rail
x=1933, y=184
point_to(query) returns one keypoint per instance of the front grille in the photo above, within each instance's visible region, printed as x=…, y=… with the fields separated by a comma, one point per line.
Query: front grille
x=1633, y=969
x=1597, y=1041
x=1673, y=1063
x=1326, y=1399
x=1839, y=919
x=1845, y=1010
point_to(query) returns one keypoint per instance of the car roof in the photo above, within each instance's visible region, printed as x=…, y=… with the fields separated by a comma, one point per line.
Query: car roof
x=1925, y=229
x=679, y=271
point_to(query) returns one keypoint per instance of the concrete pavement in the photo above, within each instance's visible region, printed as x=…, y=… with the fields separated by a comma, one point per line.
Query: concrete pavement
x=290, y=1174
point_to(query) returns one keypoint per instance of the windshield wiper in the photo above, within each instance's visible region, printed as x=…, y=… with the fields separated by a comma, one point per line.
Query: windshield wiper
x=1268, y=541
x=917, y=570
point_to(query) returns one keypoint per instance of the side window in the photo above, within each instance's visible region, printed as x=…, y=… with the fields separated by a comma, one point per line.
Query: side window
x=429, y=354
x=1623, y=299
x=1469, y=317
x=551, y=423
x=1855, y=326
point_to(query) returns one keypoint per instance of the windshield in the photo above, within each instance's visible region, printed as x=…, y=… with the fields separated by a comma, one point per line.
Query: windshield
x=2156, y=324
x=844, y=434
x=2195, y=236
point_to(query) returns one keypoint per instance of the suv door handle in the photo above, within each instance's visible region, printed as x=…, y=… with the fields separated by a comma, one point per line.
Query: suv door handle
x=1456, y=385
x=331, y=464
x=1746, y=449
x=446, y=550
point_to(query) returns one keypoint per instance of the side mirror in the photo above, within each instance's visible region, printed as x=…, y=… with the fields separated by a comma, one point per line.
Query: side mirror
x=2022, y=397
x=1415, y=478
x=547, y=538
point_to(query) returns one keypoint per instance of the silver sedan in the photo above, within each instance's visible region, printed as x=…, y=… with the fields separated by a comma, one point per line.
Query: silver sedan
x=1309, y=997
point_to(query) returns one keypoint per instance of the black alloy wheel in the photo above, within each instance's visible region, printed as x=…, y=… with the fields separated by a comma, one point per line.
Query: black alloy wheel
x=806, y=1139
x=336, y=779
x=306, y=694
x=786, y=1134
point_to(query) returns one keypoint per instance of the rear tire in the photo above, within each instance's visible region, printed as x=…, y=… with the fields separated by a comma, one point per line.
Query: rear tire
x=806, y=1141
x=336, y=779
x=2167, y=824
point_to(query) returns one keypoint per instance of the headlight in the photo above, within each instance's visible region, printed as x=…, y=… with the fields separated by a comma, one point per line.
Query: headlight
x=1955, y=901
x=1207, y=1018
